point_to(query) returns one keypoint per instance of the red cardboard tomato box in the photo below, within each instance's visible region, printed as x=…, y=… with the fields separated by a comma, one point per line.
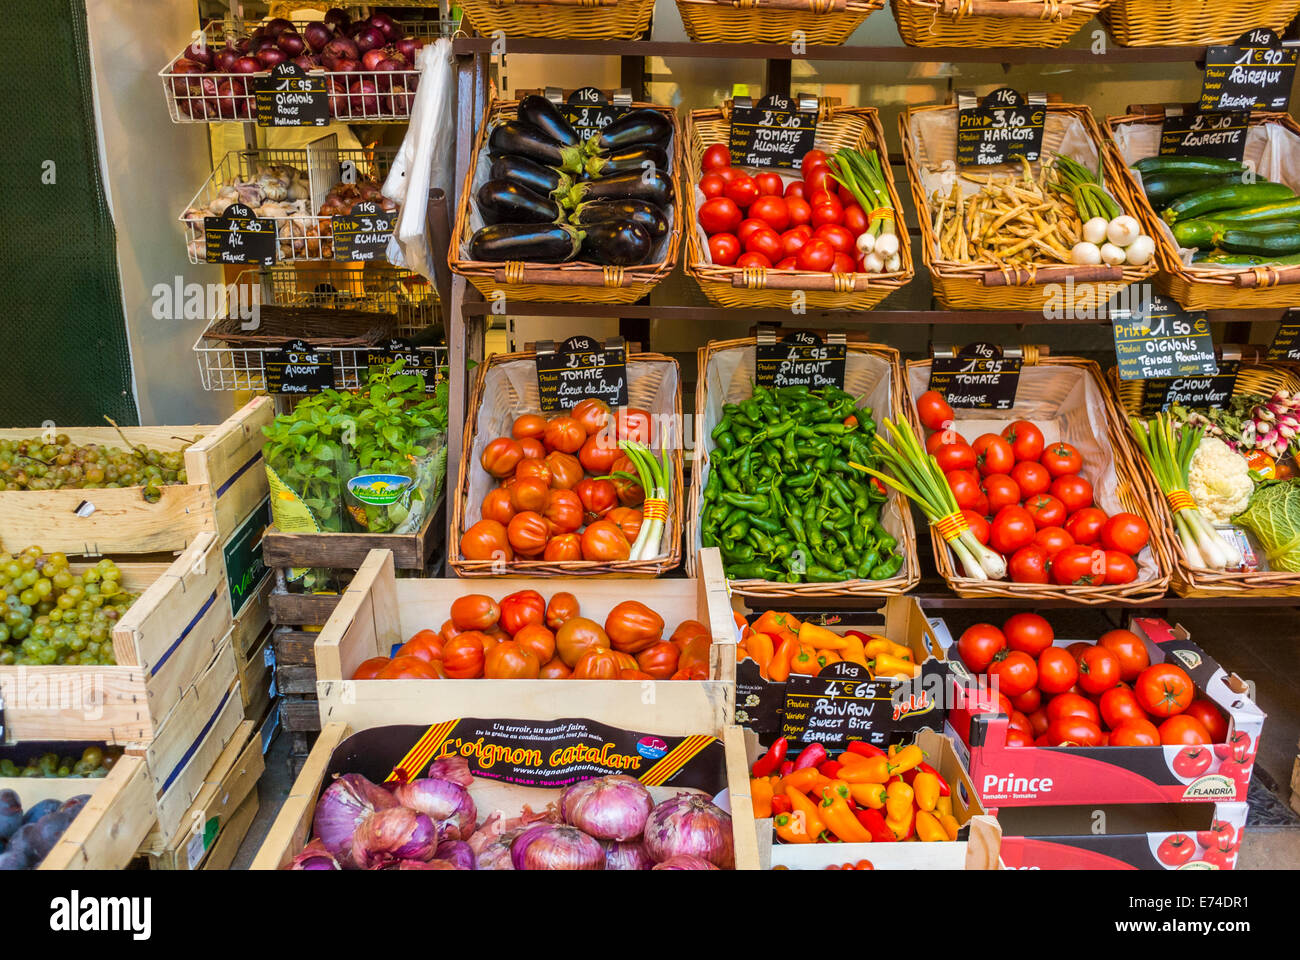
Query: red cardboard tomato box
x=1028, y=776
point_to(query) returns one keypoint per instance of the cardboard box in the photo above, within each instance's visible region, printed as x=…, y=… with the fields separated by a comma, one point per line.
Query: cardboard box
x=1029, y=776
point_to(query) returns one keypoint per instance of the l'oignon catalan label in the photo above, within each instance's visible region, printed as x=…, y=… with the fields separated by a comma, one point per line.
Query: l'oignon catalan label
x=1159, y=339
x=364, y=233
x=292, y=97
x=298, y=368
x=239, y=236
x=800, y=358
x=1002, y=127
x=1255, y=73
x=775, y=132
x=579, y=368
x=1205, y=391
x=1205, y=133
x=979, y=376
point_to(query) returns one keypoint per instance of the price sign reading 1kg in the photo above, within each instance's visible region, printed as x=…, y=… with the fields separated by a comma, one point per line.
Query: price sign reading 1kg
x=424, y=363
x=1004, y=126
x=843, y=702
x=364, y=233
x=1212, y=391
x=1159, y=339
x=239, y=236
x=590, y=112
x=292, y=97
x=800, y=358
x=979, y=376
x=581, y=367
x=1205, y=133
x=298, y=368
x=775, y=132
x=1255, y=73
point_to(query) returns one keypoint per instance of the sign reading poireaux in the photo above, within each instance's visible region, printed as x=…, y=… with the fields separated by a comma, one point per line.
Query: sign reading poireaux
x=1255, y=73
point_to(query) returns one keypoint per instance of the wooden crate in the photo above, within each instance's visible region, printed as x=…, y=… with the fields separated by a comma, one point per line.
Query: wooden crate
x=225, y=482
x=223, y=852
x=1295, y=786
x=378, y=610
x=256, y=672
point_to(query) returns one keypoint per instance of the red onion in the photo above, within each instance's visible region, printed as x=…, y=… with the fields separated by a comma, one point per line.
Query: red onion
x=247, y=65
x=368, y=38
x=337, y=19
x=316, y=35
x=386, y=25
x=344, y=804
x=291, y=43
x=223, y=61
x=371, y=58
x=431, y=865
x=689, y=823
x=314, y=856
x=609, y=808
x=550, y=847
x=243, y=45
x=265, y=43
x=408, y=47
x=183, y=88
x=199, y=53
x=495, y=854
x=456, y=852
x=684, y=861
x=455, y=769
x=364, y=99
x=341, y=48
x=627, y=855
x=445, y=803
x=277, y=26
x=395, y=834
x=306, y=63
x=346, y=66
x=269, y=57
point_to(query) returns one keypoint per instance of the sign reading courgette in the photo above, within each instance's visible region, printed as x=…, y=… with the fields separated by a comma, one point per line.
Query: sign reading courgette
x=1205, y=133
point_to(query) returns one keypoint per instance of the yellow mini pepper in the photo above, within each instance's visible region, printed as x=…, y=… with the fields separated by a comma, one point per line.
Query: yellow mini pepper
x=905, y=759
x=926, y=787
x=949, y=824
x=869, y=795
x=898, y=800
x=820, y=637
x=944, y=805
x=760, y=794
x=884, y=665
x=928, y=829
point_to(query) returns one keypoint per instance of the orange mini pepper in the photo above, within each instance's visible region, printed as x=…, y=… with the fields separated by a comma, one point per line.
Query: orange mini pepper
x=835, y=812
x=789, y=827
x=820, y=637
x=805, y=660
x=898, y=800
x=885, y=665
x=869, y=795
x=905, y=758
x=943, y=805
x=807, y=780
x=902, y=827
x=779, y=669
x=928, y=829
x=774, y=624
x=762, y=649
x=926, y=787
x=949, y=824
x=802, y=807
x=867, y=770
x=878, y=645
x=825, y=658
x=760, y=794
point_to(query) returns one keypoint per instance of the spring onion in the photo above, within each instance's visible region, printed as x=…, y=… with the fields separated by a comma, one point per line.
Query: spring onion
x=654, y=476
x=862, y=175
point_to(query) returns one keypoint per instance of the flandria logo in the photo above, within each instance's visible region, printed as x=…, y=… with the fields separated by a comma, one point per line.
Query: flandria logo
x=1189, y=657
x=1212, y=786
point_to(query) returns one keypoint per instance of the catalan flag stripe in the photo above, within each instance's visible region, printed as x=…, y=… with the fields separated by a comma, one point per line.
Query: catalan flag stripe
x=424, y=749
x=674, y=760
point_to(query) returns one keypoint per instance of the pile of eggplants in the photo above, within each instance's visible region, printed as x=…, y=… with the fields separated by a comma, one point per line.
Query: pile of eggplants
x=552, y=197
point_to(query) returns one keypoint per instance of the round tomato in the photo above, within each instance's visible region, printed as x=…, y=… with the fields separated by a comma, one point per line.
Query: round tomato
x=1130, y=650
x=837, y=236
x=1057, y=671
x=1139, y=732
x=1072, y=705
x=855, y=219
x=813, y=158
x=719, y=215
x=1026, y=439
x=944, y=438
x=1013, y=528
x=1074, y=732
x=772, y=210
x=765, y=241
x=1029, y=564
x=786, y=263
x=827, y=212
x=993, y=454
x=798, y=210
x=632, y=626
x=370, y=669
x=462, y=655
x=519, y=609
x=1085, y=525
x=1118, y=706
x=712, y=185
x=475, y=611
x=1053, y=540
x=1079, y=565
x=604, y=542
x=1164, y=689
x=748, y=227
x=1073, y=491
x=1125, y=532
x=843, y=264
x=630, y=493
x=1047, y=511
x=742, y=191
x=1031, y=478
x=717, y=156
x=1098, y=670
x=1028, y=632
x=979, y=644
x=529, y=494
x=537, y=638
x=978, y=525
x=501, y=456
x=1021, y=722
x=1120, y=567
x=1060, y=459
x=1001, y=491
x=634, y=424
x=965, y=487
x=1028, y=702
x=528, y=533
x=792, y=241
x=1176, y=849
x=496, y=506
x=564, y=434
x=1014, y=671
x=934, y=411
x=486, y=540
x=724, y=248
x=1018, y=738
x=1221, y=835
x=819, y=180
x=1038, y=720
x=1210, y=717
x=1180, y=729
x=816, y=256
x=955, y=456
x=769, y=184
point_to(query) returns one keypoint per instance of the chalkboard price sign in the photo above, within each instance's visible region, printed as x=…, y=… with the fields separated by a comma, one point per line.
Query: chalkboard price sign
x=590, y=112
x=1286, y=343
x=1255, y=73
x=421, y=362
x=800, y=358
x=844, y=703
x=364, y=233
x=579, y=368
x=1159, y=339
x=239, y=236
x=1213, y=391
x=1205, y=133
x=775, y=132
x=292, y=97
x=298, y=368
x=1003, y=127
x=979, y=376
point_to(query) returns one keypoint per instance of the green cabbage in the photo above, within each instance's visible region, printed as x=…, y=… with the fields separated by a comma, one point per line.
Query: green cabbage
x=1274, y=518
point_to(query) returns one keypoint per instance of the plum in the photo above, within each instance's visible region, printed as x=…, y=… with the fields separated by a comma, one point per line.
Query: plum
x=11, y=813
x=39, y=810
x=13, y=861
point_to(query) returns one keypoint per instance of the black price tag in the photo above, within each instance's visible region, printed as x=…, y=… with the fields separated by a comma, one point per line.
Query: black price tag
x=364, y=233
x=1205, y=133
x=1286, y=344
x=292, y=97
x=1002, y=127
x=800, y=358
x=246, y=571
x=421, y=362
x=1195, y=392
x=581, y=367
x=239, y=236
x=775, y=132
x=979, y=376
x=1255, y=73
x=298, y=368
x=588, y=111
x=1160, y=339
x=844, y=703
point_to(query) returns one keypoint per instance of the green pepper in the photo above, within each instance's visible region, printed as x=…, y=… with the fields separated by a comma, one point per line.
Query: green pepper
x=887, y=568
x=728, y=477
x=885, y=541
x=742, y=433
x=820, y=574
x=751, y=571
x=745, y=501
x=867, y=563
x=766, y=524
x=738, y=553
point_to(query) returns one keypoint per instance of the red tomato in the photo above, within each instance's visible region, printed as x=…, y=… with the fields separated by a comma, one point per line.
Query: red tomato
x=748, y=227
x=855, y=219
x=978, y=525
x=765, y=241
x=773, y=211
x=1135, y=733
x=1210, y=717
x=1221, y=835
x=1080, y=565
x=994, y=454
x=796, y=188
x=798, y=210
x=789, y=263
x=1001, y=491
x=1073, y=491
x=1021, y=722
x=1085, y=525
x=1119, y=705
x=1028, y=632
x=1181, y=729
x=1125, y=532
x=1130, y=650
x=1120, y=568
x=1028, y=703
x=1071, y=705
x=819, y=180
x=1018, y=738
x=1046, y=510
x=1164, y=689
x=933, y=411
x=1074, y=732
x=837, y=236
x=1032, y=478
x=1013, y=528
x=813, y=158
x=731, y=173
x=1038, y=720
x=979, y=644
x=1026, y=439
x=826, y=212
x=1061, y=458
x=792, y=241
x=844, y=264
x=816, y=256
x=1053, y=540
x=1057, y=671
x=1029, y=564
x=966, y=491
x=742, y=191
x=955, y=456
x=769, y=184
x=716, y=157
x=712, y=185
x=724, y=248
x=753, y=259
x=719, y=215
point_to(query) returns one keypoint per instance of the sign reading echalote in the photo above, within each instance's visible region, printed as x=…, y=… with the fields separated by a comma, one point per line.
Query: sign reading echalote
x=421, y=362
x=297, y=368
x=590, y=112
x=1286, y=343
x=978, y=377
x=245, y=568
x=801, y=358
x=1159, y=339
x=364, y=233
x=1255, y=73
x=581, y=367
x=1002, y=127
x=844, y=703
x=239, y=236
x=1212, y=391
x=292, y=97
x=1205, y=133
x=775, y=132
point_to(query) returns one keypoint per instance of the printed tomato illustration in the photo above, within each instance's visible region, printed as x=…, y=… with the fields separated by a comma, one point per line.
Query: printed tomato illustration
x=1219, y=859
x=1191, y=762
x=1221, y=835
x=1176, y=849
x=1236, y=748
x=1240, y=772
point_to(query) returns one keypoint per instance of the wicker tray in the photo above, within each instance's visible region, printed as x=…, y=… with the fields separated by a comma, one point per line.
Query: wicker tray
x=725, y=375
x=321, y=326
x=561, y=19
x=507, y=387
x=992, y=23
x=1254, y=376
x=1160, y=23
x=969, y=286
x=1069, y=400
x=1200, y=286
x=821, y=22
x=584, y=282
x=856, y=127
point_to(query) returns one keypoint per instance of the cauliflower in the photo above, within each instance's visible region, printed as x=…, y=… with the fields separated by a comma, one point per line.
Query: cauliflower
x=1219, y=481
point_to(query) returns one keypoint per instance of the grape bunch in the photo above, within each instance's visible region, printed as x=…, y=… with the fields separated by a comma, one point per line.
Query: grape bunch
x=95, y=762
x=51, y=615
x=34, y=464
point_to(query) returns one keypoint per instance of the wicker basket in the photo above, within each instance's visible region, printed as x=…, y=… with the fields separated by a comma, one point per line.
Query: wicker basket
x=507, y=387
x=725, y=376
x=992, y=23
x=1254, y=376
x=582, y=282
x=970, y=286
x=1069, y=400
x=1161, y=23
x=1200, y=286
x=561, y=19
x=856, y=127
x=822, y=22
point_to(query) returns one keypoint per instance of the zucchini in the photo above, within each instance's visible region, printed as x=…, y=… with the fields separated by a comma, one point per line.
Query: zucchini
x=504, y=201
x=1202, y=232
x=1245, y=259
x=638, y=211
x=542, y=180
x=514, y=138
x=546, y=117
x=651, y=186
x=1283, y=210
x=539, y=243
x=1166, y=166
x=634, y=127
x=1164, y=189
x=1260, y=241
x=1226, y=198
x=620, y=243
x=629, y=160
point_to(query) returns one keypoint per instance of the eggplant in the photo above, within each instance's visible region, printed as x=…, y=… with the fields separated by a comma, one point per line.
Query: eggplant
x=539, y=243
x=651, y=186
x=504, y=201
x=620, y=243
x=546, y=117
x=541, y=180
x=513, y=138
x=634, y=127
x=629, y=159
x=638, y=211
